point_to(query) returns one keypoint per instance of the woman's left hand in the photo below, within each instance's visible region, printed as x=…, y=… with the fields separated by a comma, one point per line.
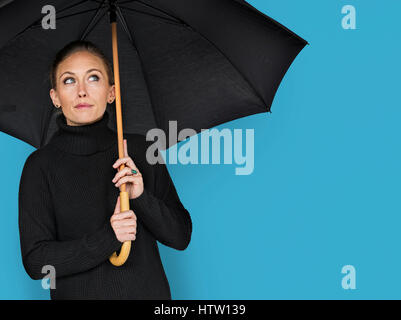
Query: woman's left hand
x=133, y=181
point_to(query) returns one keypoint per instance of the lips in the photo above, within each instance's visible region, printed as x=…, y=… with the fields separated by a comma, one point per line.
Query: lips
x=83, y=105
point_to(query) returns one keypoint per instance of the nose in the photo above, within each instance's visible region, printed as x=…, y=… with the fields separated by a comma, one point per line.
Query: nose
x=82, y=90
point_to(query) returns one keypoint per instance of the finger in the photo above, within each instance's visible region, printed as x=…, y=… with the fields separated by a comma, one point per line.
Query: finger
x=135, y=180
x=126, y=230
x=129, y=221
x=125, y=172
x=121, y=173
x=127, y=161
x=124, y=223
x=117, y=208
x=128, y=236
x=131, y=237
x=123, y=215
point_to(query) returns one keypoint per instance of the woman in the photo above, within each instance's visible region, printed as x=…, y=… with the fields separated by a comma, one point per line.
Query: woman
x=69, y=209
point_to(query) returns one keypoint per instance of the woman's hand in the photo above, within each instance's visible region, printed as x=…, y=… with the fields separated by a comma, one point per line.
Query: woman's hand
x=123, y=223
x=133, y=181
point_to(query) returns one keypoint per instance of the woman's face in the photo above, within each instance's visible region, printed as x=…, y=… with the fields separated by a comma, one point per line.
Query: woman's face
x=82, y=79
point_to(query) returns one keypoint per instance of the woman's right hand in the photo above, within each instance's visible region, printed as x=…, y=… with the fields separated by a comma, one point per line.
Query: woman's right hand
x=123, y=223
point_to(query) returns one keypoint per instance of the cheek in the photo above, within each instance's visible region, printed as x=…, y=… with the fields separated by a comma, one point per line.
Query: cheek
x=65, y=96
x=98, y=93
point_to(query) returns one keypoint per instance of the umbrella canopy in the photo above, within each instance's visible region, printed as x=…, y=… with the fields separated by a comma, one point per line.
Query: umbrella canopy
x=199, y=62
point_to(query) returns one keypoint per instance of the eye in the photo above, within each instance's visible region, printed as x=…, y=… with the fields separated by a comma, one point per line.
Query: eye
x=96, y=77
x=65, y=80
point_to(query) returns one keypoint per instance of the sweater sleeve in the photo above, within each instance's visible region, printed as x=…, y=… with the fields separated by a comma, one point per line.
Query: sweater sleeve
x=38, y=233
x=162, y=211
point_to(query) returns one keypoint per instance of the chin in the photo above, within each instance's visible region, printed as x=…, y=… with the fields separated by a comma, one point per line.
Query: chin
x=86, y=115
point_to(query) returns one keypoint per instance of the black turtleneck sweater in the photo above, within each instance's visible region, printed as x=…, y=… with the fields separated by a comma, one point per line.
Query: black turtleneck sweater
x=66, y=199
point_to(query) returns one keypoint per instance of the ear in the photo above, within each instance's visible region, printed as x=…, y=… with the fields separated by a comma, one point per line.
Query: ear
x=54, y=97
x=112, y=94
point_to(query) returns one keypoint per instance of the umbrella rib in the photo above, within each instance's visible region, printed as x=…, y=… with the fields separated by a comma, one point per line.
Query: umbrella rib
x=239, y=71
x=236, y=68
x=162, y=11
x=71, y=6
x=39, y=20
x=278, y=24
x=117, y=2
x=120, y=14
x=132, y=38
x=122, y=2
x=75, y=14
x=100, y=18
x=176, y=22
x=125, y=27
x=88, y=27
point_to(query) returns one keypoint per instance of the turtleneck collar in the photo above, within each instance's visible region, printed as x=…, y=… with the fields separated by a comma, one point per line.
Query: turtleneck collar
x=85, y=139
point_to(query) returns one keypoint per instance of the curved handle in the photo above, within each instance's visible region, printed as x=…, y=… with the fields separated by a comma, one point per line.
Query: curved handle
x=119, y=260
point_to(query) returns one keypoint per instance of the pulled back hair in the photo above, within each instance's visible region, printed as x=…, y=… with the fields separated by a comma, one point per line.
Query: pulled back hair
x=78, y=46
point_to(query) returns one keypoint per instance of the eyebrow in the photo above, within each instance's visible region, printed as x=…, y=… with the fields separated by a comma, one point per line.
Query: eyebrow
x=90, y=70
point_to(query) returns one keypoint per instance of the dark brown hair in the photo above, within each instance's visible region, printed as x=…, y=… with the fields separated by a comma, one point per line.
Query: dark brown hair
x=77, y=46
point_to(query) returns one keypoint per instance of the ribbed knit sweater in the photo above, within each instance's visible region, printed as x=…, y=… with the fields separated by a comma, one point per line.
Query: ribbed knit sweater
x=66, y=200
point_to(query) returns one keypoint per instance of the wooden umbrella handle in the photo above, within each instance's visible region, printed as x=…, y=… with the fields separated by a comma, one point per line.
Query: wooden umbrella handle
x=119, y=260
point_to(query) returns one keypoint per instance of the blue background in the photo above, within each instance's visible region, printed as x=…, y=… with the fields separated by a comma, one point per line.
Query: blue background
x=325, y=188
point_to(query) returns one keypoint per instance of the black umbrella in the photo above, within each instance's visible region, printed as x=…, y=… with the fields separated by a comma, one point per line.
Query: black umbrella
x=198, y=62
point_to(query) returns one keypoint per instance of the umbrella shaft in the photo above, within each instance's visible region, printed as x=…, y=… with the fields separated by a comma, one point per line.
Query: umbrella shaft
x=125, y=250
